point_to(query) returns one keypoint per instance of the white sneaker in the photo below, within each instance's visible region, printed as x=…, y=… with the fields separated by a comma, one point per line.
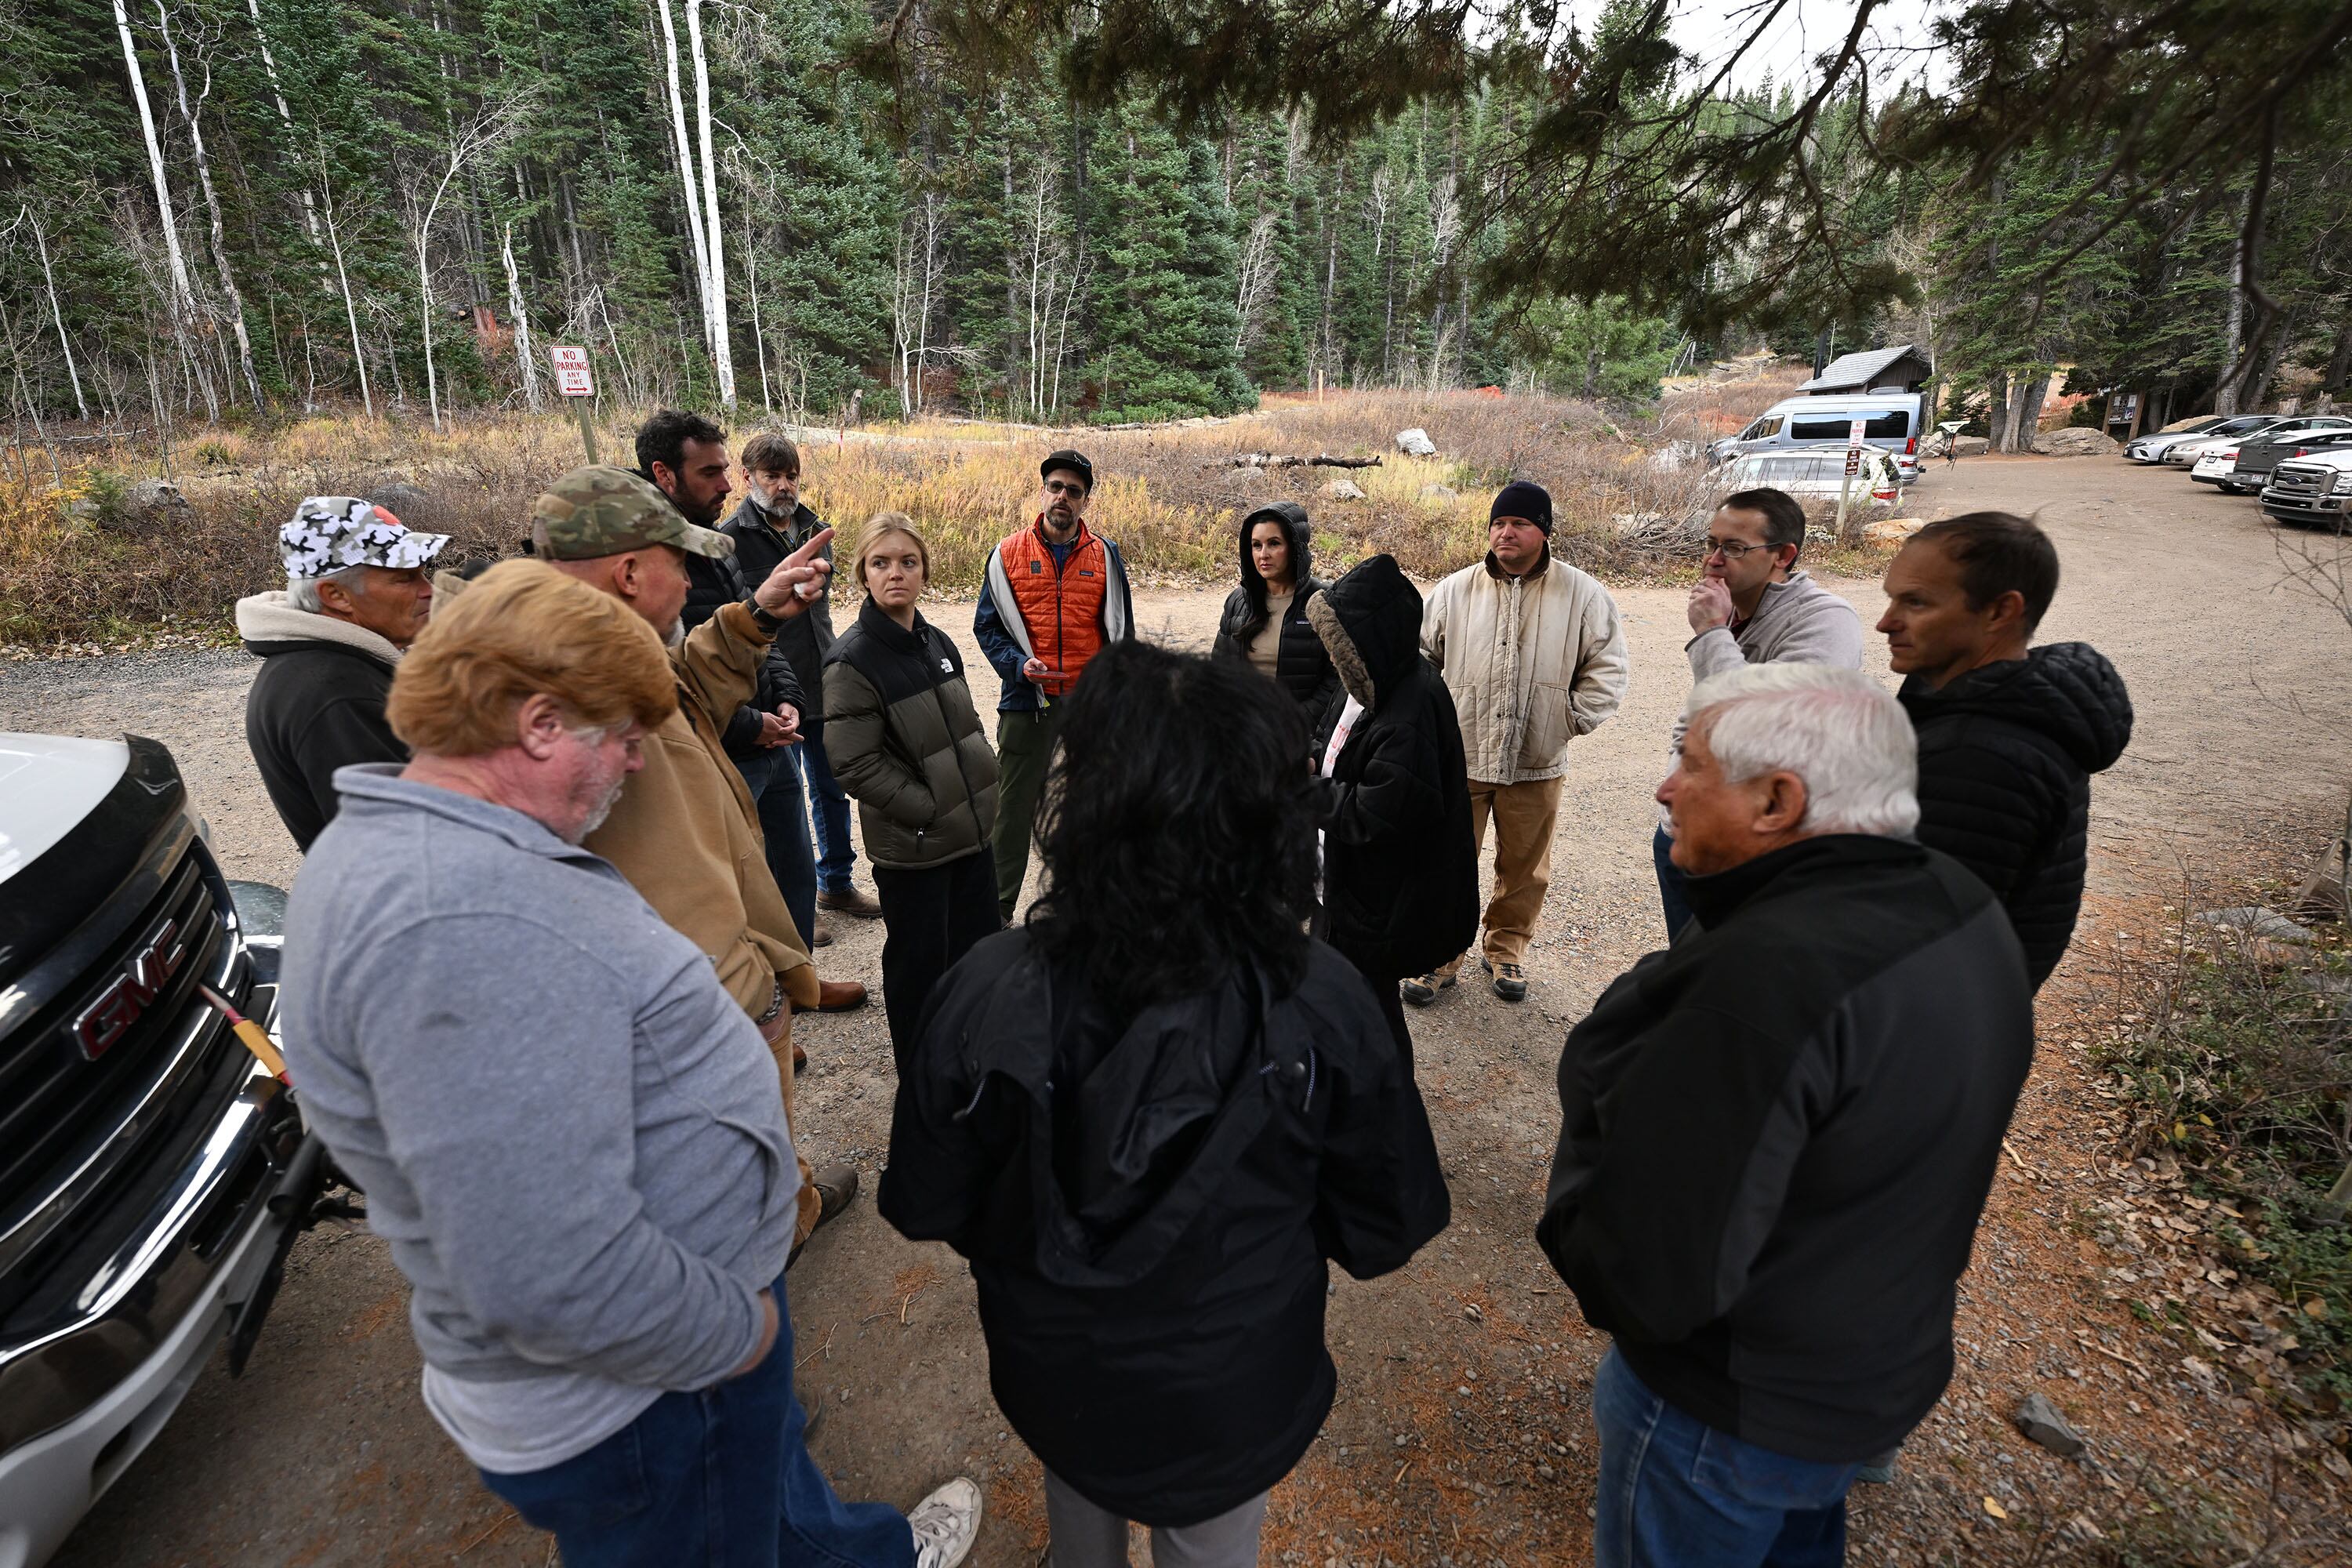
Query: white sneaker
x=945, y=1524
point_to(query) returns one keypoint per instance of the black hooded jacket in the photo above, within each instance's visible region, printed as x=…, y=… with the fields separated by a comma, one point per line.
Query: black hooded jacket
x=1302, y=668
x=1149, y=1208
x=1777, y=1136
x=1399, y=865
x=2005, y=758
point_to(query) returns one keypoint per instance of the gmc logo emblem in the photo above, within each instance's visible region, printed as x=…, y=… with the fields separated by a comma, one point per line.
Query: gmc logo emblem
x=144, y=977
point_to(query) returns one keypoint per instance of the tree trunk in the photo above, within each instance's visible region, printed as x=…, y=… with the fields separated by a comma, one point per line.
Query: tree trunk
x=1997, y=411
x=285, y=115
x=722, y=353
x=343, y=282
x=521, y=322
x=2227, y=398
x=2340, y=363
x=2029, y=412
x=684, y=147
x=49, y=281
x=183, y=297
x=211, y=204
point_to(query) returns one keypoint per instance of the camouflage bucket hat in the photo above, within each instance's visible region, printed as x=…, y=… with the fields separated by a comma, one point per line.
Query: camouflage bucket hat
x=605, y=510
x=330, y=533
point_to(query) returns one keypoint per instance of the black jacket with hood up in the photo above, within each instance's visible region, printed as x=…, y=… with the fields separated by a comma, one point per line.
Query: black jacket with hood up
x=1148, y=1209
x=1777, y=1136
x=1399, y=865
x=2005, y=758
x=1302, y=667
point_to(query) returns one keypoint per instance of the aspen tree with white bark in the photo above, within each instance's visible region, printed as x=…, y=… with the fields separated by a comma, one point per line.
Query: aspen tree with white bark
x=235, y=300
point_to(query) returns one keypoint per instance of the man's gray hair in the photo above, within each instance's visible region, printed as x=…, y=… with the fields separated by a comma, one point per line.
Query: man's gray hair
x=302, y=593
x=1838, y=730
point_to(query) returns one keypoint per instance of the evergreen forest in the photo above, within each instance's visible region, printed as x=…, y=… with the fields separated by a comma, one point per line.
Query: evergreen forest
x=811, y=207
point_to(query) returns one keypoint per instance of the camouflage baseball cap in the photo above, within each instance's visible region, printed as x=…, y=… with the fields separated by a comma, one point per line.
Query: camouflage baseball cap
x=331, y=533
x=605, y=510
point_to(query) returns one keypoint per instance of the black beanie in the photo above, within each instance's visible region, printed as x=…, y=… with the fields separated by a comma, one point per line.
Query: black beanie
x=1526, y=499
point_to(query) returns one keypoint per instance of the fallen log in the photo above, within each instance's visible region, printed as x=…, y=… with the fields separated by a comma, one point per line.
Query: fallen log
x=1290, y=461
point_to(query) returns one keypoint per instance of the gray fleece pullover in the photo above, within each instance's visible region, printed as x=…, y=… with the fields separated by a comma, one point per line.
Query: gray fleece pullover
x=1796, y=622
x=571, y=1137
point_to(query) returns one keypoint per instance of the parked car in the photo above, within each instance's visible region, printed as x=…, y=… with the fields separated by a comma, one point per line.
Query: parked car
x=1813, y=477
x=2314, y=490
x=2257, y=455
x=2216, y=461
x=2151, y=447
x=1892, y=423
x=2183, y=453
x=152, y=1173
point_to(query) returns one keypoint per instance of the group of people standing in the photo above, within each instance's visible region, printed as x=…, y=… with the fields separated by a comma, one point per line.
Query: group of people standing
x=542, y=961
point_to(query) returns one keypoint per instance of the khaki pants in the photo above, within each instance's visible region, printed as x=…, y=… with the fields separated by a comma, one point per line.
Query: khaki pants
x=1525, y=815
x=811, y=1201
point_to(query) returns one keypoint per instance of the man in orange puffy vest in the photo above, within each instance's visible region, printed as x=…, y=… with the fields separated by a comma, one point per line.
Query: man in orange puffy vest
x=1056, y=591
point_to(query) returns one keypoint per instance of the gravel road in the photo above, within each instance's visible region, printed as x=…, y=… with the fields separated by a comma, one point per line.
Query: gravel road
x=1461, y=1435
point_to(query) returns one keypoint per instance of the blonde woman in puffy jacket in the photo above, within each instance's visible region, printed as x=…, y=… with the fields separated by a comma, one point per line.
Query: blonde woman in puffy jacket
x=906, y=744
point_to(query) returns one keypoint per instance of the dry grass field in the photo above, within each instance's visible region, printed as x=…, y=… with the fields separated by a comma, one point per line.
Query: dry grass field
x=80, y=565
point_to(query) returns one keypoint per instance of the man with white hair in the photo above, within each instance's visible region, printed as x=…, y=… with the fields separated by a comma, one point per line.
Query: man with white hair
x=356, y=594
x=1777, y=1136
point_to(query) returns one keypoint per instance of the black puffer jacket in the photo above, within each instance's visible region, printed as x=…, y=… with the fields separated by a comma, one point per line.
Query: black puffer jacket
x=1399, y=866
x=1302, y=667
x=1149, y=1206
x=905, y=740
x=2005, y=758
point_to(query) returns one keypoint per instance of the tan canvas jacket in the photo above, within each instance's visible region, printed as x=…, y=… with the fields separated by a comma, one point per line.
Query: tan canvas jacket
x=1532, y=662
x=685, y=832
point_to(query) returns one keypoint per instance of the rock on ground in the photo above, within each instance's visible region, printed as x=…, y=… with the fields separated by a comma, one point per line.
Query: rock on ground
x=1416, y=443
x=1343, y=489
x=2076, y=441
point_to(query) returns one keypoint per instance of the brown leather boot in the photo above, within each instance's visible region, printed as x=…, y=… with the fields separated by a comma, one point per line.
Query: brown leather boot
x=839, y=996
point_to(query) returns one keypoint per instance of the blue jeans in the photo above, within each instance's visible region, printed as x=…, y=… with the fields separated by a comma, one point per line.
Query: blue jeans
x=1674, y=1492
x=776, y=784
x=721, y=1478
x=828, y=814
x=1670, y=882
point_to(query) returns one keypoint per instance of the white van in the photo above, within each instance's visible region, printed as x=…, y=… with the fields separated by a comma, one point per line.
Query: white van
x=1893, y=421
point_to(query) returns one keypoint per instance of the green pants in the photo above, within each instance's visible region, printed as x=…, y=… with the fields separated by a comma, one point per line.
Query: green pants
x=1024, y=743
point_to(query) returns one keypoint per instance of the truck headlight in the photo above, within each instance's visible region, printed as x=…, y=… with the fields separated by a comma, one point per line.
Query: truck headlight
x=2343, y=485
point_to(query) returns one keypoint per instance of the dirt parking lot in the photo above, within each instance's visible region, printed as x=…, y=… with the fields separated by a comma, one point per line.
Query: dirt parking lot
x=1461, y=1435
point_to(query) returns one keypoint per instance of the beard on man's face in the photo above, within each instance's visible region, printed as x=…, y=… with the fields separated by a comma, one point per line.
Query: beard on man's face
x=601, y=810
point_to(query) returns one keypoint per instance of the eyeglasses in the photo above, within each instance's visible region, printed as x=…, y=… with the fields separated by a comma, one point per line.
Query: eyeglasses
x=1064, y=488
x=1731, y=549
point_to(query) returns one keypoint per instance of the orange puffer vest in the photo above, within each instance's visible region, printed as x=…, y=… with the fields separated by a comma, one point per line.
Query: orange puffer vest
x=1061, y=608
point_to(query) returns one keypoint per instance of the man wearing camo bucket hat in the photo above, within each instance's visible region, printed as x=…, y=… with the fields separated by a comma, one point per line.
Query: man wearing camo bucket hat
x=356, y=594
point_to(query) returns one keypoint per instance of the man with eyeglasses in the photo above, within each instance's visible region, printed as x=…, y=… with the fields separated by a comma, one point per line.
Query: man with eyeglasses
x=1055, y=594
x=1753, y=604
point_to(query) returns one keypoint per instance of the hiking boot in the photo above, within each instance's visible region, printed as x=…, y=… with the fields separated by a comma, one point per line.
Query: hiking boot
x=839, y=995
x=850, y=901
x=824, y=937
x=1420, y=990
x=945, y=1524
x=836, y=1189
x=800, y=1059
x=1510, y=981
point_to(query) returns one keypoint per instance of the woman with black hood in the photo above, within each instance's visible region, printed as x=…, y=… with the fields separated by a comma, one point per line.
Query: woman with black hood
x=1400, y=860
x=1154, y=1114
x=1264, y=620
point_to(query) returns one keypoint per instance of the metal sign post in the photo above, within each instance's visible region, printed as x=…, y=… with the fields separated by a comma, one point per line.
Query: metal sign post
x=574, y=381
x=1853, y=466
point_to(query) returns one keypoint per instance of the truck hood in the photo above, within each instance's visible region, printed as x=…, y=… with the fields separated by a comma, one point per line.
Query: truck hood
x=48, y=784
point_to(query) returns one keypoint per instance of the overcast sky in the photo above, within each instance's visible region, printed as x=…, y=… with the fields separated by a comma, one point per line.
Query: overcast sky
x=1711, y=29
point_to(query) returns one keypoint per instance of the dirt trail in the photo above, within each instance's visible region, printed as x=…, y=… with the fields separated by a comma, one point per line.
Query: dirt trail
x=1462, y=1434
